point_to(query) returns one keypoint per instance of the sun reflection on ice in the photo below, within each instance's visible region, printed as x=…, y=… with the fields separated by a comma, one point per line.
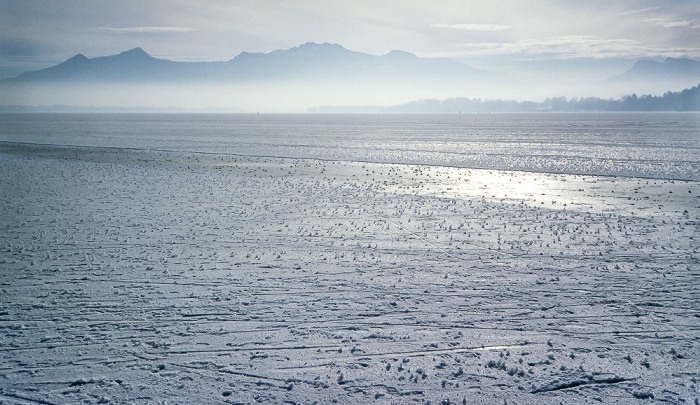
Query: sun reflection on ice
x=491, y=184
x=548, y=190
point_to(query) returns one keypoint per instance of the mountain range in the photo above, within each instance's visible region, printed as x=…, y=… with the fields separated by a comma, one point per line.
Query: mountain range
x=305, y=76
x=311, y=61
x=677, y=71
x=307, y=61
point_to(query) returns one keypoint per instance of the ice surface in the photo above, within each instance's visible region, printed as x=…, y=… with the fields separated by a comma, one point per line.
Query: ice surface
x=645, y=145
x=141, y=276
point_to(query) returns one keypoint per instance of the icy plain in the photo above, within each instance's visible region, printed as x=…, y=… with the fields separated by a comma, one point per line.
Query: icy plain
x=144, y=275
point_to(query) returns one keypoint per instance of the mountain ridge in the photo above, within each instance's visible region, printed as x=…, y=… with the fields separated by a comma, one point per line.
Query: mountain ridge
x=678, y=69
x=308, y=75
x=307, y=60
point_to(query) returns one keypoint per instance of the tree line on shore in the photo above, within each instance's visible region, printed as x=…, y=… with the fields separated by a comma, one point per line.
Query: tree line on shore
x=686, y=100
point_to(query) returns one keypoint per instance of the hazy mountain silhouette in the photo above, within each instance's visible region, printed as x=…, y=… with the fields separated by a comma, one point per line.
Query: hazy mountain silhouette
x=307, y=61
x=132, y=65
x=651, y=75
x=669, y=68
x=309, y=75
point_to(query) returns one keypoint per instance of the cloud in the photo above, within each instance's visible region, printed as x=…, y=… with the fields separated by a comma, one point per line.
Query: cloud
x=571, y=47
x=639, y=11
x=144, y=30
x=474, y=27
x=672, y=23
x=577, y=46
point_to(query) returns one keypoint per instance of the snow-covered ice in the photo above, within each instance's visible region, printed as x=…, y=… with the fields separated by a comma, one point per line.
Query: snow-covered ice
x=142, y=276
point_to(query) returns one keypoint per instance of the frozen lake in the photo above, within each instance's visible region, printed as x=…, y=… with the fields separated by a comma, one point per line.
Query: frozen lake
x=654, y=145
x=473, y=258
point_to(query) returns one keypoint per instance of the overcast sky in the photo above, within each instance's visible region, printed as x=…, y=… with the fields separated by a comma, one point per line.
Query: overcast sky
x=551, y=44
x=40, y=33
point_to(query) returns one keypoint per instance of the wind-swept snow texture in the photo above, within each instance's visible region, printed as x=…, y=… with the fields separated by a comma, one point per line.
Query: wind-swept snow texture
x=153, y=276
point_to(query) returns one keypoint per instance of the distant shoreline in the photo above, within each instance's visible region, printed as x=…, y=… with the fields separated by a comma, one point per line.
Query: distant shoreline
x=685, y=100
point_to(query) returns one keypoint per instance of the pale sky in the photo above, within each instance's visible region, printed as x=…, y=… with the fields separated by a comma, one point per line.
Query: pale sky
x=40, y=33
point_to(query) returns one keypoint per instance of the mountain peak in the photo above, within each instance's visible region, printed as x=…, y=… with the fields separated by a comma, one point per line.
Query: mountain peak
x=400, y=54
x=676, y=60
x=135, y=53
x=316, y=47
x=77, y=59
x=323, y=45
x=651, y=66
